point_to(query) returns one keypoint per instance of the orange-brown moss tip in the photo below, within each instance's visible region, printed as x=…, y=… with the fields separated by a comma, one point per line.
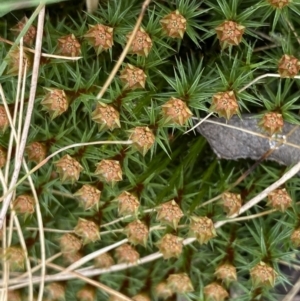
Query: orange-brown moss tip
x=106, y=116
x=174, y=25
x=88, y=196
x=232, y=203
x=4, y=122
x=170, y=246
x=55, y=102
x=69, y=242
x=127, y=254
x=104, y=261
x=169, y=214
x=263, y=275
x=280, y=4
x=24, y=204
x=87, y=230
x=142, y=139
x=29, y=36
x=109, y=171
x=163, y=291
x=272, y=122
x=215, y=292
x=224, y=104
x=13, y=62
x=15, y=256
x=202, y=228
x=288, y=66
x=36, y=152
x=55, y=291
x=295, y=238
x=128, y=204
x=279, y=199
x=69, y=169
x=175, y=111
x=100, y=37
x=3, y=157
x=230, y=33
x=180, y=283
x=137, y=233
x=141, y=44
x=69, y=46
x=87, y=293
x=226, y=272
x=133, y=77
x=141, y=297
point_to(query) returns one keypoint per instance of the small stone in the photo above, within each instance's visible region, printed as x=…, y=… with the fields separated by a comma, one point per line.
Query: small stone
x=141, y=44
x=88, y=196
x=133, y=77
x=272, y=122
x=69, y=46
x=137, y=233
x=109, y=171
x=215, y=292
x=24, y=204
x=128, y=204
x=104, y=261
x=36, y=152
x=142, y=139
x=202, y=228
x=232, y=203
x=69, y=242
x=169, y=214
x=180, y=283
x=174, y=25
x=288, y=66
x=170, y=246
x=88, y=230
x=4, y=122
x=226, y=272
x=279, y=199
x=263, y=275
x=230, y=33
x=29, y=36
x=127, y=254
x=225, y=104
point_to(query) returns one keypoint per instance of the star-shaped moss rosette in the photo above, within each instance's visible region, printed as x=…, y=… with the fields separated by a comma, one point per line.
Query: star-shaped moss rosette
x=288, y=66
x=70, y=243
x=3, y=157
x=128, y=204
x=163, y=291
x=109, y=171
x=69, y=46
x=15, y=256
x=4, y=122
x=133, y=77
x=126, y=254
x=55, y=291
x=180, y=283
x=137, y=233
x=226, y=272
x=232, y=202
x=87, y=230
x=280, y=4
x=29, y=36
x=141, y=44
x=280, y=200
x=272, y=122
x=169, y=214
x=170, y=246
x=263, y=275
x=141, y=297
x=88, y=196
x=230, y=33
x=86, y=293
x=104, y=261
x=202, y=228
x=174, y=25
x=100, y=37
x=215, y=292
x=36, y=152
x=13, y=62
x=295, y=238
x=24, y=204
x=142, y=139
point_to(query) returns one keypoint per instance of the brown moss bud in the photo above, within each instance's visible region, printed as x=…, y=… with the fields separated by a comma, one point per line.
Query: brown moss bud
x=14, y=295
x=180, y=283
x=109, y=171
x=104, y=261
x=127, y=254
x=100, y=37
x=202, y=228
x=128, y=204
x=15, y=256
x=226, y=272
x=141, y=297
x=215, y=292
x=56, y=291
x=279, y=199
x=87, y=293
x=69, y=169
x=69, y=242
x=141, y=44
x=263, y=275
x=133, y=77
x=71, y=257
x=29, y=36
x=88, y=230
x=36, y=152
x=169, y=214
x=170, y=246
x=24, y=204
x=69, y=46
x=106, y=116
x=295, y=238
x=3, y=156
x=174, y=25
x=55, y=102
x=272, y=122
x=232, y=203
x=137, y=233
x=142, y=139
x=4, y=122
x=163, y=291
x=88, y=196
x=288, y=66
x=13, y=62
x=280, y=4
x=230, y=33
x=225, y=104
x=176, y=111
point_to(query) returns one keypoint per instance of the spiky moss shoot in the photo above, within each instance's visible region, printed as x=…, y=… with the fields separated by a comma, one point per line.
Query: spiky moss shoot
x=104, y=261
x=109, y=171
x=55, y=291
x=226, y=272
x=69, y=242
x=15, y=256
x=142, y=139
x=225, y=104
x=263, y=275
x=180, y=283
x=137, y=233
x=295, y=238
x=68, y=169
x=141, y=297
x=87, y=293
x=29, y=36
x=170, y=246
x=279, y=199
x=4, y=122
x=128, y=204
x=14, y=295
x=174, y=25
x=87, y=230
x=106, y=116
x=133, y=77
x=230, y=33
x=100, y=37
x=126, y=254
x=175, y=111
x=272, y=122
x=232, y=203
x=13, y=62
x=88, y=196
x=24, y=204
x=163, y=291
x=169, y=214
x=202, y=228
x=36, y=152
x=3, y=157
x=280, y=4
x=215, y=292
x=288, y=66
x=141, y=44
x=55, y=102
x=69, y=46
